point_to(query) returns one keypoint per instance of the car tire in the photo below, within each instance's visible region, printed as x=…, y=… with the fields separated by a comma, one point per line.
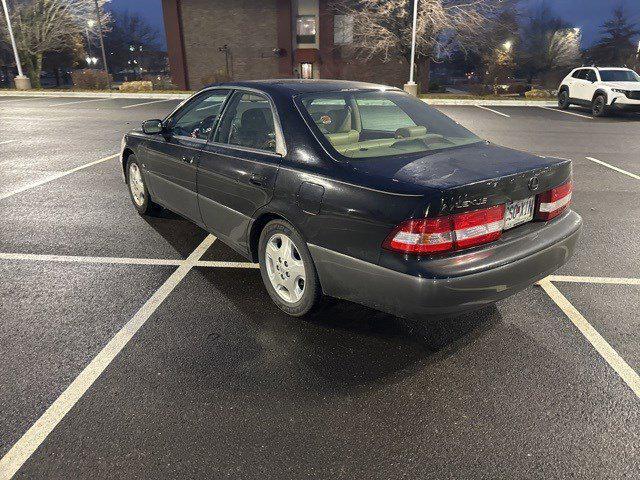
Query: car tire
x=599, y=106
x=563, y=100
x=287, y=269
x=138, y=191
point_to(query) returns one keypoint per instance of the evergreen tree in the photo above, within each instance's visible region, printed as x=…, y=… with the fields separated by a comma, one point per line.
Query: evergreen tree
x=616, y=46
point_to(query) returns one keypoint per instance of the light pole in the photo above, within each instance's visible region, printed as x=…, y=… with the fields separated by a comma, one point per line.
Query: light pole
x=22, y=82
x=410, y=86
x=104, y=55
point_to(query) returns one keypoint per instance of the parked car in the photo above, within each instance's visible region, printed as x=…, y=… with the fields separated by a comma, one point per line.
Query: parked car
x=355, y=191
x=601, y=89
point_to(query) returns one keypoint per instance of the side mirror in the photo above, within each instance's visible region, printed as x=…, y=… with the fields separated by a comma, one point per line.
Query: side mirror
x=151, y=127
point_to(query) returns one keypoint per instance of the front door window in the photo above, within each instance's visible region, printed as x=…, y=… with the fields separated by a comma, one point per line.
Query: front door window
x=199, y=117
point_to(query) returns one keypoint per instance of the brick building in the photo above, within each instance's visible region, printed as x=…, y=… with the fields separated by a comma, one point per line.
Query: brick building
x=251, y=39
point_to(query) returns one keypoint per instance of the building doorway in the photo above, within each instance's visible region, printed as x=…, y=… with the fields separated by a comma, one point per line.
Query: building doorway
x=306, y=70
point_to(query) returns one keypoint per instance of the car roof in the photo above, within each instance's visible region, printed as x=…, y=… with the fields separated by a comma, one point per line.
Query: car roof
x=295, y=86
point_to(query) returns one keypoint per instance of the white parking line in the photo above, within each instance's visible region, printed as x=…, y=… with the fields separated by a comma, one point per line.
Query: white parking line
x=606, y=351
x=494, y=111
x=632, y=175
x=599, y=280
x=217, y=264
x=78, y=101
x=38, y=432
x=7, y=141
x=54, y=177
x=148, y=103
x=34, y=257
x=564, y=111
x=38, y=257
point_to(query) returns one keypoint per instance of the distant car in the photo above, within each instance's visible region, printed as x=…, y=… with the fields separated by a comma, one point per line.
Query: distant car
x=601, y=89
x=355, y=191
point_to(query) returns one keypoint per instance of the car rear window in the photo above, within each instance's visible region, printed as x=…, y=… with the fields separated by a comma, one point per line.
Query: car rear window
x=375, y=123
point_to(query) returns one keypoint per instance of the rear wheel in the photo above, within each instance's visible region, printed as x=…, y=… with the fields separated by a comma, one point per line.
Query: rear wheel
x=599, y=106
x=563, y=100
x=287, y=269
x=138, y=190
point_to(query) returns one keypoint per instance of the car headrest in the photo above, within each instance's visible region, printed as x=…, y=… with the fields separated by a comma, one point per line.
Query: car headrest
x=339, y=120
x=255, y=119
x=411, y=132
x=343, y=138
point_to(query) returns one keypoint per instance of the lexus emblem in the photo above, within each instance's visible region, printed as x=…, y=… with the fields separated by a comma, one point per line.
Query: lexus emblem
x=534, y=183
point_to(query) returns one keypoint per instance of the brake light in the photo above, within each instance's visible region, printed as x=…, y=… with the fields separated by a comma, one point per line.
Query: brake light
x=553, y=202
x=440, y=234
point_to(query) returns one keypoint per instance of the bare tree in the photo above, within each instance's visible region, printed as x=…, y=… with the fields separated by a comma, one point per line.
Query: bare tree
x=382, y=28
x=548, y=44
x=46, y=26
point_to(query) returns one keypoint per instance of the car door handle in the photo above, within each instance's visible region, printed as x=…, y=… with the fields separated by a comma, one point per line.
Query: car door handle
x=187, y=159
x=259, y=180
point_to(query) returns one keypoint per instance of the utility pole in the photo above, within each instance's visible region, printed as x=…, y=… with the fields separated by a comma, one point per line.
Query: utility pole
x=410, y=86
x=22, y=82
x=104, y=55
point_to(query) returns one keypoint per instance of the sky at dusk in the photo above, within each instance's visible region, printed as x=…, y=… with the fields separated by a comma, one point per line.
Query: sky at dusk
x=586, y=14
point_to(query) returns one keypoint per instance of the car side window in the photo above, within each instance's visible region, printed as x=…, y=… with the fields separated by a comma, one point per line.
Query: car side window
x=248, y=122
x=199, y=117
x=579, y=74
x=591, y=76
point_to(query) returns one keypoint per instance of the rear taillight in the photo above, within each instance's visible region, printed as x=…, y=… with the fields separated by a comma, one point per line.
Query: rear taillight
x=553, y=202
x=433, y=235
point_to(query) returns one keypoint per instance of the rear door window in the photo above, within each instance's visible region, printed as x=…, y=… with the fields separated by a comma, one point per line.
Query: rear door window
x=248, y=122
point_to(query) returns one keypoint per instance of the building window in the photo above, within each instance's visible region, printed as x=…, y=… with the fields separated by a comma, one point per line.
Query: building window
x=306, y=29
x=306, y=70
x=342, y=29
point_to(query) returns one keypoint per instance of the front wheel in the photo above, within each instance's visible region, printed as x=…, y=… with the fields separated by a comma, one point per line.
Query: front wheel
x=138, y=190
x=287, y=269
x=563, y=100
x=599, y=106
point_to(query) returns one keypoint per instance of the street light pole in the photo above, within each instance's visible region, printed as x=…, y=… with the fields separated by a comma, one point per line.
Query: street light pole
x=104, y=55
x=22, y=82
x=410, y=86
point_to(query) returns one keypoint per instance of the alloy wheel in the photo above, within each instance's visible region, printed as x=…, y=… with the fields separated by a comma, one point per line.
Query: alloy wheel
x=285, y=268
x=136, y=184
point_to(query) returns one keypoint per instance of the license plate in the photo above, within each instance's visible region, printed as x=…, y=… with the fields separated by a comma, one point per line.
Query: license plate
x=518, y=212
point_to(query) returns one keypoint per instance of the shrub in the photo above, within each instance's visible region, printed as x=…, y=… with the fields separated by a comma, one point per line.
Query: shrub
x=137, y=86
x=538, y=93
x=518, y=88
x=218, y=76
x=479, y=89
x=436, y=87
x=160, y=82
x=89, y=79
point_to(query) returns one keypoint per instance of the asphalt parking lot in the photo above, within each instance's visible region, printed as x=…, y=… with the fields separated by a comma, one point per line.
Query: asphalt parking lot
x=138, y=347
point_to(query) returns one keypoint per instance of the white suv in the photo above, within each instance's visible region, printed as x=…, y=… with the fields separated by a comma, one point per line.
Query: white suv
x=601, y=89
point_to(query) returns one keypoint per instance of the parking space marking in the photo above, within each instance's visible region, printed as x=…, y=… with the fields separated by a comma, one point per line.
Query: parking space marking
x=78, y=101
x=38, y=432
x=599, y=280
x=605, y=164
x=217, y=264
x=149, y=103
x=494, y=111
x=7, y=141
x=34, y=257
x=55, y=177
x=606, y=351
x=564, y=111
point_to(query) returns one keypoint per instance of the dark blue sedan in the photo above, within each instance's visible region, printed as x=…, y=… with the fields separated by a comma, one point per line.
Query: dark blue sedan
x=355, y=191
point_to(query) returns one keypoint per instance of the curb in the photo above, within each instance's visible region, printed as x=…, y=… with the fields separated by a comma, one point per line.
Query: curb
x=160, y=96
x=495, y=103
x=182, y=96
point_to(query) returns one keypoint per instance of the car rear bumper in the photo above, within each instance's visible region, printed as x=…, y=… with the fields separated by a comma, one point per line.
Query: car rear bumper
x=414, y=296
